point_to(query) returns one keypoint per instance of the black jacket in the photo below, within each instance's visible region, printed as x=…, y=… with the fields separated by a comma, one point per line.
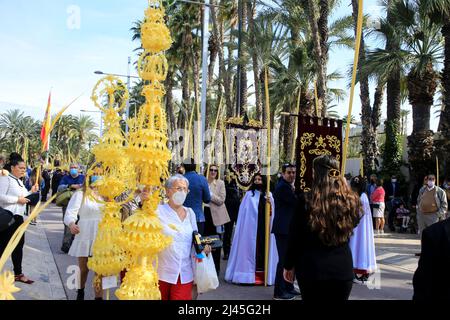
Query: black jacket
x=285, y=202
x=312, y=259
x=431, y=281
x=389, y=189
x=232, y=199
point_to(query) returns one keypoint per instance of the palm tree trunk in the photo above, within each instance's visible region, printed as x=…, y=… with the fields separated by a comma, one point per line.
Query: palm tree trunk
x=256, y=68
x=169, y=100
x=421, y=90
x=369, y=133
x=318, y=55
x=392, y=151
x=323, y=30
x=213, y=45
x=445, y=115
x=244, y=81
x=229, y=79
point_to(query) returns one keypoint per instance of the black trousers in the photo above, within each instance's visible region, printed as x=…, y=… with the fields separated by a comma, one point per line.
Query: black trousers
x=227, y=235
x=281, y=286
x=326, y=290
x=67, y=236
x=17, y=254
x=210, y=230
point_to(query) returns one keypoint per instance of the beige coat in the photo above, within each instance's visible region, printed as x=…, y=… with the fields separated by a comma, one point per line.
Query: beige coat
x=219, y=212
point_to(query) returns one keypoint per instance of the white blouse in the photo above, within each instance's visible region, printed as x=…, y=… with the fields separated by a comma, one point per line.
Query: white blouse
x=90, y=213
x=11, y=189
x=176, y=260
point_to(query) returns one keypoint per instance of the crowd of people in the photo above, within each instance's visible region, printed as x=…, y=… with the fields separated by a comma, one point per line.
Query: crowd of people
x=323, y=239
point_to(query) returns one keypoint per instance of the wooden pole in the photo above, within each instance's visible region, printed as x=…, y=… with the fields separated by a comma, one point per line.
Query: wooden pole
x=437, y=171
x=352, y=89
x=268, y=209
x=296, y=124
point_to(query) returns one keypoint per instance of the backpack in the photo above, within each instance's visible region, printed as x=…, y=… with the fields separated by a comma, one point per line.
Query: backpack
x=63, y=198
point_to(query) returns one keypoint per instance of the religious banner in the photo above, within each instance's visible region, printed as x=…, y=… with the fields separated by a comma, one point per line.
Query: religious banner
x=244, y=146
x=315, y=137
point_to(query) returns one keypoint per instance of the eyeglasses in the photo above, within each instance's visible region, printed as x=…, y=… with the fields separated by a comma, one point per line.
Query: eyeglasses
x=181, y=189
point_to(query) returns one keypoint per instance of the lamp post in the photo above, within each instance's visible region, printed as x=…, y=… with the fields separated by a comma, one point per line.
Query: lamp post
x=128, y=76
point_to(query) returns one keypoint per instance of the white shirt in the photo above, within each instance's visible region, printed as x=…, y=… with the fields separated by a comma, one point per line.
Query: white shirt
x=176, y=260
x=89, y=210
x=11, y=189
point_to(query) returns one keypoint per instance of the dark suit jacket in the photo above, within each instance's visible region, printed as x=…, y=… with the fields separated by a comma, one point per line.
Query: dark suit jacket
x=285, y=202
x=389, y=189
x=431, y=280
x=312, y=259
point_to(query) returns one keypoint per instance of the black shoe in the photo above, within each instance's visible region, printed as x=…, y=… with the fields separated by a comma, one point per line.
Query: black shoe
x=80, y=294
x=98, y=298
x=286, y=296
x=294, y=292
x=226, y=256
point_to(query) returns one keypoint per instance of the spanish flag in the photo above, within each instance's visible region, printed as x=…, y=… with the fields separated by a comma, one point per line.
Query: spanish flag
x=45, y=131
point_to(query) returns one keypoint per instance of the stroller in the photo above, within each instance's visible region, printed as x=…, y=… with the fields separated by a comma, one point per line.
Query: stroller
x=404, y=221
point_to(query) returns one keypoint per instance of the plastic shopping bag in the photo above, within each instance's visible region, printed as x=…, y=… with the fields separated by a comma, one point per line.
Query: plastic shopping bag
x=205, y=274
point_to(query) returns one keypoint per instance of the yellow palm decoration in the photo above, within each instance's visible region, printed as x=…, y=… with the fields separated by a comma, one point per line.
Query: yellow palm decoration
x=148, y=152
x=109, y=256
x=7, y=287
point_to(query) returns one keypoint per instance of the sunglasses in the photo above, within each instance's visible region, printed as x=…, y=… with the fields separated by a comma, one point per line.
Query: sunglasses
x=213, y=170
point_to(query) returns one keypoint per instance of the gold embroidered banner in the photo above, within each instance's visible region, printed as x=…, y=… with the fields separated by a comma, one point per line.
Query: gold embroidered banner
x=315, y=137
x=244, y=141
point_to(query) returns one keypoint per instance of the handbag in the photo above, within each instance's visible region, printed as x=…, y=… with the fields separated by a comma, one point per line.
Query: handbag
x=6, y=219
x=63, y=198
x=34, y=198
x=213, y=241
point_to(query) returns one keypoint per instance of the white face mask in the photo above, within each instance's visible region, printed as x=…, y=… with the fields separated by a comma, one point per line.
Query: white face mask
x=430, y=184
x=179, y=197
x=394, y=180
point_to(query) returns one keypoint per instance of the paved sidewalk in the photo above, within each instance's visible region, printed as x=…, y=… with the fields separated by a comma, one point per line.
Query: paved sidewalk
x=39, y=265
x=45, y=263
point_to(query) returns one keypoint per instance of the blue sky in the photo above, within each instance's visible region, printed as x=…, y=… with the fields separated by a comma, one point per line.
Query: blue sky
x=43, y=44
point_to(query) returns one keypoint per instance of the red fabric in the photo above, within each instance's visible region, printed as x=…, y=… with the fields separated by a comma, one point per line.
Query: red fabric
x=378, y=195
x=259, y=278
x=175, y=291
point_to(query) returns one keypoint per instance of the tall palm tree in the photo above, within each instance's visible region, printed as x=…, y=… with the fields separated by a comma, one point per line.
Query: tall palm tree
x=420, y=50
x=439, y=11
x=369, y=116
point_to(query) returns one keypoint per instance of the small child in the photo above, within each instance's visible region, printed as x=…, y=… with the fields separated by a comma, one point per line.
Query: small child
x=403, y=213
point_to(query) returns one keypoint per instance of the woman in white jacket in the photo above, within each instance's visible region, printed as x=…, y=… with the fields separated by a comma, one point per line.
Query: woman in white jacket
x=83, y=215
x=13, y=198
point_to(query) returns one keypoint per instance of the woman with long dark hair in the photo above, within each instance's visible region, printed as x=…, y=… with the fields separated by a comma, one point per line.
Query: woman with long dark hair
x=318, y=251
x=13, y=198
x=246, y=261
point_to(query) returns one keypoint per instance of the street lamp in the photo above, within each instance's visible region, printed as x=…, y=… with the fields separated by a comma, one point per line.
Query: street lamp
x=101, y=119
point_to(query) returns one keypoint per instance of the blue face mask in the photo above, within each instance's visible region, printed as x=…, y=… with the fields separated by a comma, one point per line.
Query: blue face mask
x=95, y=179
x=74, y=172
